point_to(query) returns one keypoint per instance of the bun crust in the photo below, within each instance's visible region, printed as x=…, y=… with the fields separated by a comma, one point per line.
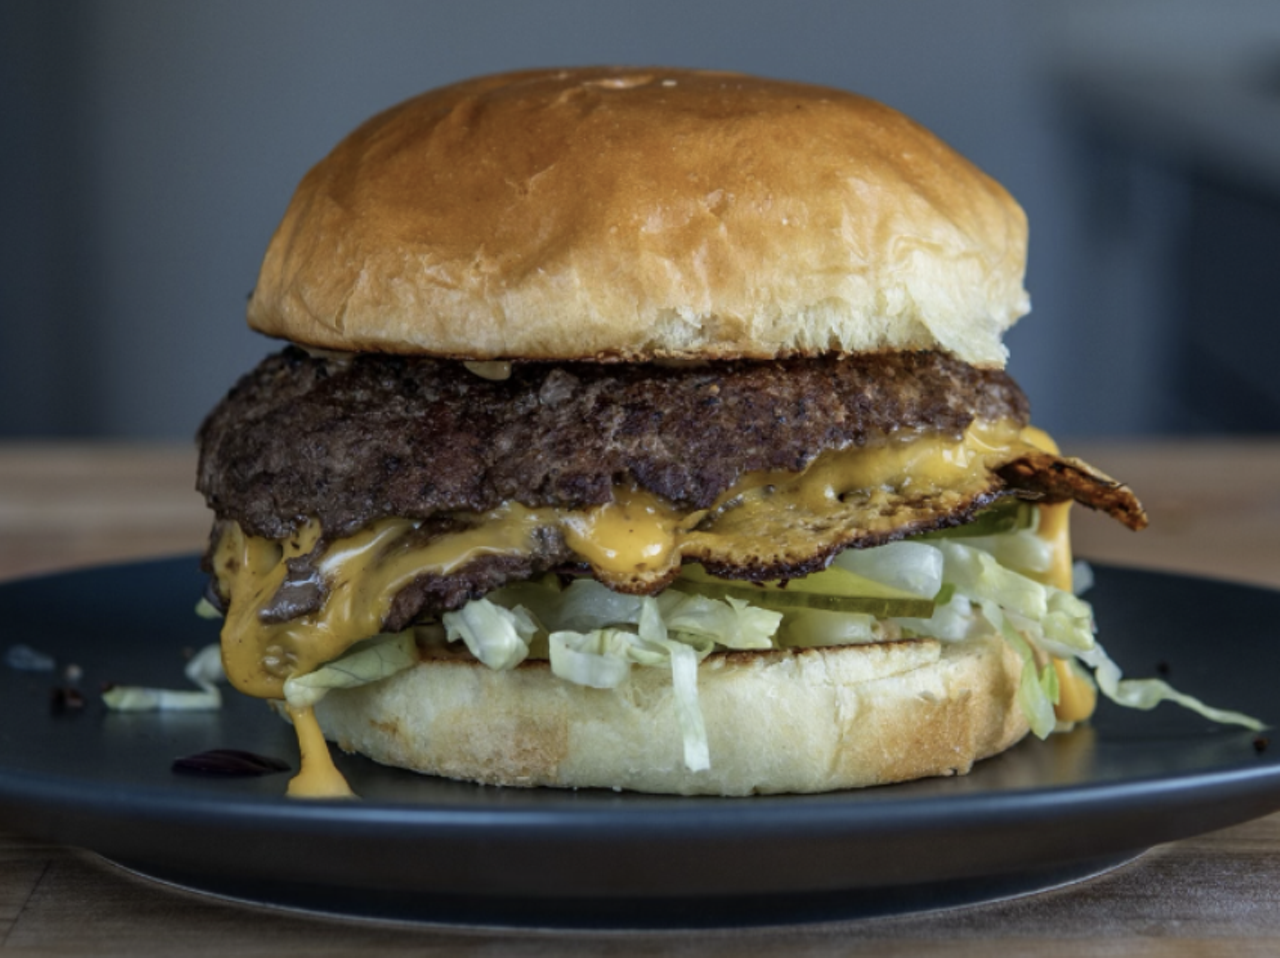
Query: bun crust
x=809, y=720
x=639, y=214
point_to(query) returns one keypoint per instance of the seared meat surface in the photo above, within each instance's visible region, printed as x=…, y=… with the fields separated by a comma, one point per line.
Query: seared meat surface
x=349, y=441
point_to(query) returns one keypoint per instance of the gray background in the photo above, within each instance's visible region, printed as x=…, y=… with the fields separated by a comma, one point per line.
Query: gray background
x=150, y=148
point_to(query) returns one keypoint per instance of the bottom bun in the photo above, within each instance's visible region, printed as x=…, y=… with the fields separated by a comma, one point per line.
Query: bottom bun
x=807, y=720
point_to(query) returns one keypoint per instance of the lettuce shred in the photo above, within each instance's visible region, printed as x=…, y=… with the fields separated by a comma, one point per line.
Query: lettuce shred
x=1040, y=622
x=595, y=635
x=369, y=661
x=496, y=636
x=204, y=671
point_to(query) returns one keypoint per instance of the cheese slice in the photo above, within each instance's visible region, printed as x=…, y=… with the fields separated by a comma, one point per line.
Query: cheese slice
x=1077, y=698
x=318, y=777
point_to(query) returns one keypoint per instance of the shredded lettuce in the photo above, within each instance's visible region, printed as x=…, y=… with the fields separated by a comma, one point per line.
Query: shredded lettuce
x=369, y=661
x=1023, y=551
x=732, y=623
x=683, y=661
x=204, y=670
x=588, y=604
x=814, y=628
x=1037, y=688
x=596, y=635
x=1067, y=622
x=1039, y=621
x=596, y=659
x=1081, y=577
x=952, y=621
x=136, y=698
x=496, y=636
x=979, y=576
x=684, y=684
x=914, y=567
x=602, y=658
x=26, y=659
x=206, y=609
x=1146, y=694
x=542, y=598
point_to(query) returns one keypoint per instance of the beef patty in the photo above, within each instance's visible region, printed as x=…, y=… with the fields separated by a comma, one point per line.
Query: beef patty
x=353, y=440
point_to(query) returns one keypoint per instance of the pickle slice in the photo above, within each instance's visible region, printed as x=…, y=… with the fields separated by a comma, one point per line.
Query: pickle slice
x=832, y=590
x=1008, y=515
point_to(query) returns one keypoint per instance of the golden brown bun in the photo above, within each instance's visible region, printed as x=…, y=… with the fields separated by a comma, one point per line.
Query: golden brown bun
x=786, y=721
x=644, y=213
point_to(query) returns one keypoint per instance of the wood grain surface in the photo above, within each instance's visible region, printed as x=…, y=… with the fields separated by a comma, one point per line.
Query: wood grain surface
x=1215, y=510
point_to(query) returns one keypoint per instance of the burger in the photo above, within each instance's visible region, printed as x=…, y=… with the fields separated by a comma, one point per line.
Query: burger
x=648, y=429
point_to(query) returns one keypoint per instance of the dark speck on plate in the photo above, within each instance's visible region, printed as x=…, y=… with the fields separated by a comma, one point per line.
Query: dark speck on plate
x=230, y=763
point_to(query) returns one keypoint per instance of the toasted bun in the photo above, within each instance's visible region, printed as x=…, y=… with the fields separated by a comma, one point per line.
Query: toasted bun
x=781, y=721
x=638, y=214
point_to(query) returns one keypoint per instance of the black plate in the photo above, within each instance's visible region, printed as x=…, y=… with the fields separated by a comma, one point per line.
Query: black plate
x=425, y=849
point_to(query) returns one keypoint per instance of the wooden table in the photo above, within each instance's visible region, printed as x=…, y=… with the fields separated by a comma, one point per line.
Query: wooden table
x=1215, y=510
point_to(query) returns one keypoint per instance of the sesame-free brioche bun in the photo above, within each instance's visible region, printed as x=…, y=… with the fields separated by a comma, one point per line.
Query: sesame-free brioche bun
x=637, y=214
x=811, y=720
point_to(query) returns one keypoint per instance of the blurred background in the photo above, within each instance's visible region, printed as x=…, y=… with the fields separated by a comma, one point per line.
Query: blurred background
x=149, y=148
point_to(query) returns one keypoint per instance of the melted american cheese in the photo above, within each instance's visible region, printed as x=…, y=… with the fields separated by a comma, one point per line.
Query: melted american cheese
x=1077, y=698
x=318, y=777
x=363, y=574
x=637, y=532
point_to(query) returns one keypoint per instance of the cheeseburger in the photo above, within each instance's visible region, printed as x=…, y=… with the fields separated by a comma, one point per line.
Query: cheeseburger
x=649, y=429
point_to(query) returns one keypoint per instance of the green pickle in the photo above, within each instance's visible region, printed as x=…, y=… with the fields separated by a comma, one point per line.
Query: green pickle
x=832, y=590
x=1008, y=515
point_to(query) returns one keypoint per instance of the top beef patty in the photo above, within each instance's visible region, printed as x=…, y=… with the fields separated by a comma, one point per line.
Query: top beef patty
x=351, y=440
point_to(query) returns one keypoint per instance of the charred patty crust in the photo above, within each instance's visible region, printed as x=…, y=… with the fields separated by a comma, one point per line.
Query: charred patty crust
x=349, y=441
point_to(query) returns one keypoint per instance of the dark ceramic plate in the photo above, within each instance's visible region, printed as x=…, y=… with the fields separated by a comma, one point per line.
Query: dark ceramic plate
x=422, y=849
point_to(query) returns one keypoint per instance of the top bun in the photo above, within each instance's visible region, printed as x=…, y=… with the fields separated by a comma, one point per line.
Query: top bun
x=638, y=214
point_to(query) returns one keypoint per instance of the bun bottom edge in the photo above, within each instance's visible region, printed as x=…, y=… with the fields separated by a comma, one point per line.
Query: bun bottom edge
x=779, y=721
